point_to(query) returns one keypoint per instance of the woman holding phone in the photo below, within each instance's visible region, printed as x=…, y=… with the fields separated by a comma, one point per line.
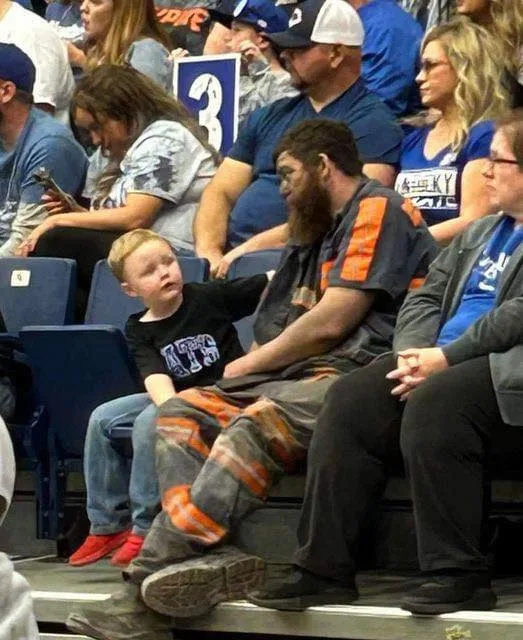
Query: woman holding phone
x=159, y=164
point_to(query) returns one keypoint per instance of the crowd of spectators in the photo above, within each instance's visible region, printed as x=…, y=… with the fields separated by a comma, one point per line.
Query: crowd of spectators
x=379, y=148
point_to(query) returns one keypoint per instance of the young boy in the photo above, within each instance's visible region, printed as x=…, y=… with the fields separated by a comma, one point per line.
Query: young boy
x=243, y=24
x=184, y=338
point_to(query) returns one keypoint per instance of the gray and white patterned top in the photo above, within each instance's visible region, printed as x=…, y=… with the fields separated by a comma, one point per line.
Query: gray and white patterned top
x=168, y=162
x=260, y=86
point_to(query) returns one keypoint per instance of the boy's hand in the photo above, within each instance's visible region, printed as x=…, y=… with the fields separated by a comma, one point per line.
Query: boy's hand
x=251, y=52
x=179, y=53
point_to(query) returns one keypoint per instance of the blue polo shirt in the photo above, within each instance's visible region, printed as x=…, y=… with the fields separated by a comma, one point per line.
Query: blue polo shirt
x=434, y=184
x=260, y=206
x=391, y=54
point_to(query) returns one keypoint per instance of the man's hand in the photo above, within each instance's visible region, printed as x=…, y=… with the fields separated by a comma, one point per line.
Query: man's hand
x=214, y=256
x=226, y=261
x=414, y=366
x=239, y=367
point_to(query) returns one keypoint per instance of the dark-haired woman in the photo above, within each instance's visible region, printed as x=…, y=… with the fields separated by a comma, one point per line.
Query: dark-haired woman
x=159, y=164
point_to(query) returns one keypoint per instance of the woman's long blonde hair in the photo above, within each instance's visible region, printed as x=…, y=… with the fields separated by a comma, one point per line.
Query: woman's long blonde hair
x=131, y=20
x=507, y=25
x=119, y=92
x=475, y=56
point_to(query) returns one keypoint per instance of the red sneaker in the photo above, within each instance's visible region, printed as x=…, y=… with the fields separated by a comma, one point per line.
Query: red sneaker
x=96, y=547
x=128, y=551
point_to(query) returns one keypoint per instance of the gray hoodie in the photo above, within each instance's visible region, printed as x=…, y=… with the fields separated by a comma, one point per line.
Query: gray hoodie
x=17, y=621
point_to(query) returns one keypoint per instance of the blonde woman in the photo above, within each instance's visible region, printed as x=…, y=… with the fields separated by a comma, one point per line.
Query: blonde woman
x=504, y=19
x=441, y=160
x=123, y=32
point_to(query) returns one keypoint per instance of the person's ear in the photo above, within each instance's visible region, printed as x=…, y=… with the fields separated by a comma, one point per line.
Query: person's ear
x=128, y=290
x=262, y=43
x=7, y=92
x=324, y=167
x=336, y=55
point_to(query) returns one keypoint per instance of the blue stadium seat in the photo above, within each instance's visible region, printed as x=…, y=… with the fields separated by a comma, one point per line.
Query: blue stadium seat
x=34, y=290
x=251, y=264
x=78, y=367
x=37, y=291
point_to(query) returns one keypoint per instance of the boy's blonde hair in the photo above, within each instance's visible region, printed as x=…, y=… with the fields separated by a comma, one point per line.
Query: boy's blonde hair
x=127, y=244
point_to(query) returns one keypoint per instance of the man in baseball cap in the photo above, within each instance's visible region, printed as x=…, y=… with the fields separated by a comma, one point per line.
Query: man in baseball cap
x=16, y=67
x=388, y=36
x=321, y=49
x=321, y=22
x=30, y=139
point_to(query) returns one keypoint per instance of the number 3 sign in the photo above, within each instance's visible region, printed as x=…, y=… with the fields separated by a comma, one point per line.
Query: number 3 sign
x=209, y=87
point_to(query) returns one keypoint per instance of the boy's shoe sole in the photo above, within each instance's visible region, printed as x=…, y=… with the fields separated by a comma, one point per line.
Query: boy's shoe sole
x=483, y=600
x=300, y=603
x=192, y=588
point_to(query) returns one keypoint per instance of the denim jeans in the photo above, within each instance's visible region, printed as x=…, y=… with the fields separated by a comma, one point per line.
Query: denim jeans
x=120, y=491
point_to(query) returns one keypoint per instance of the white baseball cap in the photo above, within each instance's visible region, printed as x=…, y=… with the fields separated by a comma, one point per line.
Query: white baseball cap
x=321, y=22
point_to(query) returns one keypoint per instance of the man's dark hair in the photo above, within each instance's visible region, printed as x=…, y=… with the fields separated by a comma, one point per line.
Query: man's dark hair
x=307, y=140
x=24, y=97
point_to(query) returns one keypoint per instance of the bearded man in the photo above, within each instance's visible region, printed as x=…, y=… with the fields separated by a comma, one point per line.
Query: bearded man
x=356, y=249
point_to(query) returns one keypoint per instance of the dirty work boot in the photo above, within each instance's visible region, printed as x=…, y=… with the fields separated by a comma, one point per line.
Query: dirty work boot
x=194, y=587
x=123, y=616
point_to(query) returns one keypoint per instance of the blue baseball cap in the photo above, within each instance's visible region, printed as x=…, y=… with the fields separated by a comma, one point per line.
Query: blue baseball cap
x=263, y=15
x=17, y=67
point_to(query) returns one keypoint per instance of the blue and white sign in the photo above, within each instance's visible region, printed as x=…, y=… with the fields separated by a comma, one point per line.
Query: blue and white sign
x=209, y=86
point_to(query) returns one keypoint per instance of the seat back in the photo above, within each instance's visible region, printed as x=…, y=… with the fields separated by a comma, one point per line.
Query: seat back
x=251, y=264
x=37, y=291
x=75, y=369
x=108, y=304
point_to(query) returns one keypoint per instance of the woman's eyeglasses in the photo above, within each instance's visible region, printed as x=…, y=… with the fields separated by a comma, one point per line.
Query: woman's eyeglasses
x=496, y=160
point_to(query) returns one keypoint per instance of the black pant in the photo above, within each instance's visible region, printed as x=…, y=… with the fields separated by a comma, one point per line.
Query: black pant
x=86, y=246
x=450, y=427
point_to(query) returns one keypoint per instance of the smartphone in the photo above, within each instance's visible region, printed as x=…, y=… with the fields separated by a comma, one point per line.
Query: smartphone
x=44, y=178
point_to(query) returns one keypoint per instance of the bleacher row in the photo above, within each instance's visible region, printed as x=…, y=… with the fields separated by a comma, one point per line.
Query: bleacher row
x=76, y=367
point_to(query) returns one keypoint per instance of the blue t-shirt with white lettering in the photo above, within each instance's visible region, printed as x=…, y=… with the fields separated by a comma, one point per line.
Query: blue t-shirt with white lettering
x=434, y=185
x=43, y=143
x=391, y=54
x=479, y=294
x=260, y=206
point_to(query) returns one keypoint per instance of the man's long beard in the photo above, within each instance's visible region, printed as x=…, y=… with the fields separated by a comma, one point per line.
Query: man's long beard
x=310, y=216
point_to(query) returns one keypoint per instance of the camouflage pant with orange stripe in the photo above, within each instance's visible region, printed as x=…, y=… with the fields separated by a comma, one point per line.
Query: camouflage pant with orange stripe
x=218, y=453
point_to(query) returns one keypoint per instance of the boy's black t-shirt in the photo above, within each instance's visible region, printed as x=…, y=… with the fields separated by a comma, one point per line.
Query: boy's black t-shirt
x=194, y=344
